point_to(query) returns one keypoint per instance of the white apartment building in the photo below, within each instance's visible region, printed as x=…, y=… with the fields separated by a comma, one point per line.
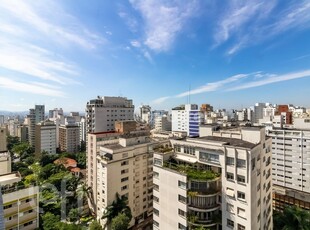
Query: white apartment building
x=69, y=138
x=101, y=113
x=145, y=113
x=162, y=123
x=186, y=118
x=125, y=168
x=290, y=167
x=221, y=178
x=82, y=125
x=45, y=137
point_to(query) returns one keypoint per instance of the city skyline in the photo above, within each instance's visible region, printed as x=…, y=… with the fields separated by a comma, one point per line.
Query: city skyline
x=62, y=54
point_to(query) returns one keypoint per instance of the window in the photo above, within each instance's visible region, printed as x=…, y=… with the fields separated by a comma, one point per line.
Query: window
x=241, y=179
x=241, y=163
x=258, y=187
x=230, y=192
x=241, y=195
x=155, y=211
x=230, y=223
x=182, y=213
x=208, y=157
x=156, y=187
x=156, y=223
x=230, y=176
x=124, y=163
x=230, y=161
x=182, y=185
x=124, y=171
x=182, y=227
x=241, y=212
x=124, y=187
x=156, y=199
x=155, y=174
x=182, y=199
x=124, y=179
x=158, y=161
x=241, y=227
x=230, y=208
x=253, y=163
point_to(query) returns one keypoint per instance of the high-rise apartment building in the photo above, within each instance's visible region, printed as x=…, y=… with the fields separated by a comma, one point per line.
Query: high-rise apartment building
x=45, y=137
x=221, y=178
x=145, y=113
x=69, y=138
x=101, y=113
x=290, y=167
x=162, y=123
x=35, y=116
x=3, y=147
x=186, y=118
x=125, y=167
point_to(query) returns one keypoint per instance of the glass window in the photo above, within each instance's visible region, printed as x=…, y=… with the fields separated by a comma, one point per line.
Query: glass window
x=230, y=176
x=182, y=184
x=241, y=179
x=241, y=163
x=230, y=223
x=230, y=161
x=241, y=195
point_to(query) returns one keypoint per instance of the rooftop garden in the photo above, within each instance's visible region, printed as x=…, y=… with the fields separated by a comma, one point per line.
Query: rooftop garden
x=163, y=149
x=193, y=172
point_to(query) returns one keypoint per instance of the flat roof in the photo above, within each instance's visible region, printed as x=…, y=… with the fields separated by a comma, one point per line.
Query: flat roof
x=9, y=178
x=229, y=141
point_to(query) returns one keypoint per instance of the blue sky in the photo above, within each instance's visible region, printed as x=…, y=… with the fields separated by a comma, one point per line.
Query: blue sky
x=229, y=53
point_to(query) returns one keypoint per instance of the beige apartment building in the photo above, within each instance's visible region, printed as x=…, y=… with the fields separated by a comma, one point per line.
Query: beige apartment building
x=20, y=205
x=221, y=180
x=45, y=137
x=69, y=138
x=3, y=147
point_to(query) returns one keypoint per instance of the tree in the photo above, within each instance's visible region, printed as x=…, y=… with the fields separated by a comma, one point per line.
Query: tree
x=120, y=222
x=74, y=215
x=50, y=221
x=119, y=205
x=95, y=225
x=84, y=191
x=65, y=226
x=81, y=160
x=292, y=218
x=23, y=150
x=11, y=142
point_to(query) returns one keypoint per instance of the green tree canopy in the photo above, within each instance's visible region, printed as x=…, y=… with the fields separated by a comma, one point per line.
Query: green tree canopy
x=292, y=218
x=120, y=222
x=50, y=221
x=95, y=225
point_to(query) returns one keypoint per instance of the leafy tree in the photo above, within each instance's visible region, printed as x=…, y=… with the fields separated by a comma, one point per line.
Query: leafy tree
x=47, y=158
x=119, y=205
x=50, y=201
x=11, y=142
x=85, y=192
x=81, y=160
x=83, y=146
x=95, y=225
x=50, y=221
x=23, y=150
x=292, y=218
x=65, y=226
x=57, y=178
x=74, y=215
x=120, y=222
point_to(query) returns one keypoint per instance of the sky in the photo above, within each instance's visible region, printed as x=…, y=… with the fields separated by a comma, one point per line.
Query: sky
x=229, y=53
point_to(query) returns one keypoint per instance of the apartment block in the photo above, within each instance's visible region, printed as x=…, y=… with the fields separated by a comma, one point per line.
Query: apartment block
x=20, y=205
x=220, y=180
x=69, y=138
x=35, y=116
x=3, y=147
x=291, y=167
x=125, y=168
x=101, y=113
x=162, y=123
x=45, y=137
x=186, y=118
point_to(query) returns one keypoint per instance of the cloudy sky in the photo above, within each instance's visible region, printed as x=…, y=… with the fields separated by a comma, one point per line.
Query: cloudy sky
x=229, y=53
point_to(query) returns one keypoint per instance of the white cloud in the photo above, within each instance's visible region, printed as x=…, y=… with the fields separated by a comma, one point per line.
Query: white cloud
x=129, y=20
x=163, y=20
x=32, y=88
x=160, y=100
x=135, y=43
x=35, y=61
x=49, y=20
x=246, y=23
x=213, y=86
x=272, y=78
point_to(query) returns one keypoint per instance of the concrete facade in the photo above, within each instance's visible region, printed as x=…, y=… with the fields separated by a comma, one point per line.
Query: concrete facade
x=69, y=138
x=45, y=137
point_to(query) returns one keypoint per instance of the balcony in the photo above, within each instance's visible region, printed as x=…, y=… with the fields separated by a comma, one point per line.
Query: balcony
x=193, y=173
x=209, y=220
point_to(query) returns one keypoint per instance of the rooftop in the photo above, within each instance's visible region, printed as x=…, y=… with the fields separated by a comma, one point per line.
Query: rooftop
x=9, y=178
x=228, y=141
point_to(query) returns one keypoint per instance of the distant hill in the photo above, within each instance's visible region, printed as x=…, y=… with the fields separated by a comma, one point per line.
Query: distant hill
x=10, y=113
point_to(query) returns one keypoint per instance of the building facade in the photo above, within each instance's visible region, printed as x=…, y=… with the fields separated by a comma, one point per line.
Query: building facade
x=290, y=167
x=35, y=116
x=45, y=137
x=186, y=118
x=220, y=180
x=101, y=113
x=69, y=138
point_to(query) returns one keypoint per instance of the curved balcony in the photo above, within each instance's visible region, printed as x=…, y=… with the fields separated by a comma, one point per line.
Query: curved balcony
x=207, y=220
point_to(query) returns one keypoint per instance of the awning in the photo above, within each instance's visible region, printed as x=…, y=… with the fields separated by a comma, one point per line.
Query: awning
x=188, y=159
